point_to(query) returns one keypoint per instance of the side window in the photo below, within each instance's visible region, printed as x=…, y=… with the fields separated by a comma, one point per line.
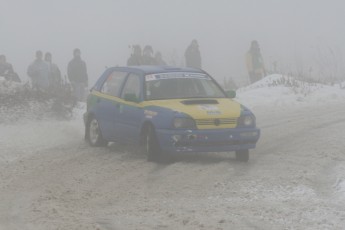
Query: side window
x=132, y=87
x=112, y=85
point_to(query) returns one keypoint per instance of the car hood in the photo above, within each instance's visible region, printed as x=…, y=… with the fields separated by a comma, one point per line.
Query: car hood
x=201, y=108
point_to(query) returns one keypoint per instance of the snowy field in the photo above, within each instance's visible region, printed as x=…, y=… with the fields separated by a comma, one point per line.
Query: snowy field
x=295, y=178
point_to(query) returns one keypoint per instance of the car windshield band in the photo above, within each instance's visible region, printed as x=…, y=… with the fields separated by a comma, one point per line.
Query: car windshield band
x=153, y=77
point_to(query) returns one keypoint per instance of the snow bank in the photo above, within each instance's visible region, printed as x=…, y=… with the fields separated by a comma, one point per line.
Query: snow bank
x=339, y=185
x=18, y=102
x=9, y=87
x=284, y=91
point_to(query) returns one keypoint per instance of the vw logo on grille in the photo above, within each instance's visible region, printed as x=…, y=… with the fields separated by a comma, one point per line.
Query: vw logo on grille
x=216, y=122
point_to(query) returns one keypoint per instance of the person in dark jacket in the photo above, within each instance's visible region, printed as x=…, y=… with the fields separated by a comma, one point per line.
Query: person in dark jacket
x=77, y=75
x=6, y=70
x=159, y=59
x=148, y=58
x=192, y=55
x=255, y=63
x=55, y=74
x=136, y=56
x=39, y=72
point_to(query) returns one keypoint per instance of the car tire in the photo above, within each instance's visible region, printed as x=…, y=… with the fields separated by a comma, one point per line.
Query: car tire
x=93, y=133
x=151, y=145
x=242, y=155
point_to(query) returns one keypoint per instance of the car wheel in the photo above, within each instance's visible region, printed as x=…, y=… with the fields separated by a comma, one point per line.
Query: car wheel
x=151, y=145
x=242, y=155
x=94, y=135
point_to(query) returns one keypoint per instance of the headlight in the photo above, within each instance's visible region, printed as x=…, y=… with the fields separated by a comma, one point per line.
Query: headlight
x=184, y=123
x=246, y=120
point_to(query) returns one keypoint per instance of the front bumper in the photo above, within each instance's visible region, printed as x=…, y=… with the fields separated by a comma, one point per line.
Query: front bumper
x=223, y=140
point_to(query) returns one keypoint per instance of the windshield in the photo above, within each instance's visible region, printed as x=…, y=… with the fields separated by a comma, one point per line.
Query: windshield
x=181, y=85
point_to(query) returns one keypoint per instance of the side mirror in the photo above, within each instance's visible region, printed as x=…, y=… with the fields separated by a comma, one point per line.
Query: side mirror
x=131, y=97
x=231, y=93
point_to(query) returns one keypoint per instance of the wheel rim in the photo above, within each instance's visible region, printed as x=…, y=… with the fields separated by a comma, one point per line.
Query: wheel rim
x=94, y=131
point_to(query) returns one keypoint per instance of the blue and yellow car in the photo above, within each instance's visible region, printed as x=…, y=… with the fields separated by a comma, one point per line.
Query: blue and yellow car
x=167, y=110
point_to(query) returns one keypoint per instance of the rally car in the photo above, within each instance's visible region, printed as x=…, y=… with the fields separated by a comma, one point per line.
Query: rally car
x=168, y=110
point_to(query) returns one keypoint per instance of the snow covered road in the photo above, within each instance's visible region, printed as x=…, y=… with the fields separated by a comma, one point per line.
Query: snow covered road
x=295, y=179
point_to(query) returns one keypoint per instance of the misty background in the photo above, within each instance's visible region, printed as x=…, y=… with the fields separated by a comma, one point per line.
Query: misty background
x=295, y=36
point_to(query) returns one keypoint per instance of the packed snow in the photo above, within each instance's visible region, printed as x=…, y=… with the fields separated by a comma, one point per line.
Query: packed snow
x=51, y=179
x=286, y=91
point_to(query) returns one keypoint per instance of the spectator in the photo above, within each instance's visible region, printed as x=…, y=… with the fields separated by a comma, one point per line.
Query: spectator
x=135, y=58
x=39, y=72
x=6, y=70
x=255, y=64
x=77, y=75
x=159, y=59
x=192, y=55
x=147, y=58
x=55, y=74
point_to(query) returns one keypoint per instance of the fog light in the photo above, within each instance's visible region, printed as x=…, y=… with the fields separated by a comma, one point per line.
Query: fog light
x=249, y=134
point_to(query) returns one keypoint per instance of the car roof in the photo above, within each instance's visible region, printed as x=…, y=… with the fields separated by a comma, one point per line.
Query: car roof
x=143, y=70
x=152, y=69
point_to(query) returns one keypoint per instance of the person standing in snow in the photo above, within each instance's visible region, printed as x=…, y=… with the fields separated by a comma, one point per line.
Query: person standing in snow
x=135, y=58
x=77, y=75
x=39, y=72
x=192, y=55
x=159, y=59
x=55, y=74
x=148, y=58
x=6, y=70
x=254, y=62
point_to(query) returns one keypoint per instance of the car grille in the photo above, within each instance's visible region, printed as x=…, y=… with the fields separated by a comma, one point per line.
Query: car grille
x=214, y=143
x=216, y=121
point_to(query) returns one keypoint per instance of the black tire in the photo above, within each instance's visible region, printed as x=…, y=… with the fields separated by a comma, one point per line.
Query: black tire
x=93, y=134
x=151, y=146
x=242, y=155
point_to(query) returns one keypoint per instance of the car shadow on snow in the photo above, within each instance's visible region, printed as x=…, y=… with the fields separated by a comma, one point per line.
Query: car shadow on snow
x=204, y=158
x=134, y=153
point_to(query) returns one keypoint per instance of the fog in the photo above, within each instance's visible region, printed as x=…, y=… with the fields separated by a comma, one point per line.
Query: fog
x=298, y=35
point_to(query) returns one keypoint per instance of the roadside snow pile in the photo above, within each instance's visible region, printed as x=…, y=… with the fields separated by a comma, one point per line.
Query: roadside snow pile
x=20, y=102
x=9, y=87
x=339, y=185
x=279, y=90
x=342, y=85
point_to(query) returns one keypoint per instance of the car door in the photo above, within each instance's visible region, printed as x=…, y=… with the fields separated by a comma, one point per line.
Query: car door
x=130, y=111
x=108, y=104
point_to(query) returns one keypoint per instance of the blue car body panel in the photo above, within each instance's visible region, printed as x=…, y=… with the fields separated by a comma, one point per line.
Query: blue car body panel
x=122, y=120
